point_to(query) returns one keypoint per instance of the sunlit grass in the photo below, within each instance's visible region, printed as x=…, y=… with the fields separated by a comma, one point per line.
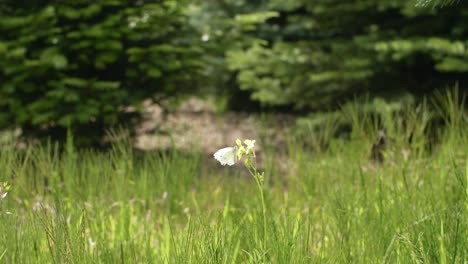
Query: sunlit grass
x=332, y=205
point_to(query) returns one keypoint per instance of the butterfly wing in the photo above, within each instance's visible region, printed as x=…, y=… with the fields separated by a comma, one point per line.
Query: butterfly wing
x=226, y=156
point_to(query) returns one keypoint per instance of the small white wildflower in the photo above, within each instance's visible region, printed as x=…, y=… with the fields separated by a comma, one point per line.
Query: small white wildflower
x=132, y=24
x=4, y=188
x=91, y=242
x=227, y=155
x=250, y=144
x=205, y=37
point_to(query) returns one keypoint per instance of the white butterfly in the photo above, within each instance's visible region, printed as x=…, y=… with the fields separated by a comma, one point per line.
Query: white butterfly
x=227, y=155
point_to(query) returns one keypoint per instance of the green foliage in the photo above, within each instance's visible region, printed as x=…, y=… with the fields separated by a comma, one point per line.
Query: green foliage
x=226, y=25
x=436, y=3
x=80, y=64
x=318, y=55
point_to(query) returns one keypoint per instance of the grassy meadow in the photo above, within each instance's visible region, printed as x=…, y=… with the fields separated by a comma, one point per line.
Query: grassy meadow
x=322, y=203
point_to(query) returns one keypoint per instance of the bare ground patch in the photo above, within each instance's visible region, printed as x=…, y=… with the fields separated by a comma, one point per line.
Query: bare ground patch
x=195, y=125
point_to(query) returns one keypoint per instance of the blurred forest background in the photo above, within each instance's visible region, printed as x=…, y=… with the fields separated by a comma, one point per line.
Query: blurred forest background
x=87, y=66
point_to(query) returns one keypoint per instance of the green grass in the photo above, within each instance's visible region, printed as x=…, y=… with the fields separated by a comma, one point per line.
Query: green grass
x=327, y=206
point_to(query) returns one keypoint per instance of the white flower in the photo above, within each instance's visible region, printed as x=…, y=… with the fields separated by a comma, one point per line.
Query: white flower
x=91, y=242
x=250, y=144
x=205, y=37
x=227, y=155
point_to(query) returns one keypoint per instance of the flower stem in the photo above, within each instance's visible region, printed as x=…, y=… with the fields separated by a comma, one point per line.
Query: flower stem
x=259, y=181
